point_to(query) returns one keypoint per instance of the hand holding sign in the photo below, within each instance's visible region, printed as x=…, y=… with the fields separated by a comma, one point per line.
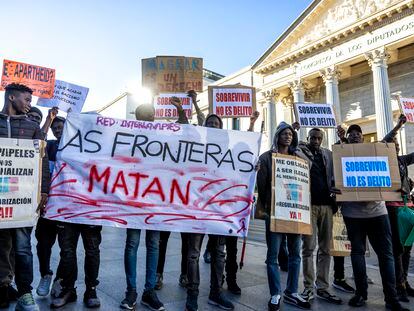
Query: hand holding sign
x=53, y=113
x=341, y=132
x=176, y=102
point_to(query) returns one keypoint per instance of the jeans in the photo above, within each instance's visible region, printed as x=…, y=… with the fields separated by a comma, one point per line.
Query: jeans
x=46, y=233
x=397, y=248
x=152, y=240
x=16, y=240
x=273, y=241
x=68, y=237
x=231, y=258
x=164, y=236
x=379, y=234
x=321, y=220
x=217, y=243
x=339, y=267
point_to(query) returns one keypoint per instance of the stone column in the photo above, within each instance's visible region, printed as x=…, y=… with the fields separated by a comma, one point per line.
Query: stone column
x=330, y=76
x=298, y=91
x=270, y=96
x=377, y=60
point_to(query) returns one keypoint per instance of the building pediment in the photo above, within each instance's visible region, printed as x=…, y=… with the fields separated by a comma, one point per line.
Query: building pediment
x=324, y=22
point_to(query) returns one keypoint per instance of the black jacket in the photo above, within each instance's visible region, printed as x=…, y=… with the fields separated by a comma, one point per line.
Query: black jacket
x=21, y=127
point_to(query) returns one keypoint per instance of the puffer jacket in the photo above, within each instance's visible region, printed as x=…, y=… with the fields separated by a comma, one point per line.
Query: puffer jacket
x=21, y=127
x=264, y=175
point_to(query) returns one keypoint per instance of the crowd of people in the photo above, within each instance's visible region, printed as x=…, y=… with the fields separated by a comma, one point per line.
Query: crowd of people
x=286, y=252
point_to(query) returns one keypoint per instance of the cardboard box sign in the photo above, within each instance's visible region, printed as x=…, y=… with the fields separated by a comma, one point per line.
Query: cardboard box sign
x=169, y=74
x=291, y=205
x=232, y=101
x=366, y=172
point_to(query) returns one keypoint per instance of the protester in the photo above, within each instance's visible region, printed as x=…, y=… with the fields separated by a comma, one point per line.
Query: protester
x=152, y=239
x=323, y=208
x=369, y=219
x=195, y=241
x=403, y=288
x=285, y=141
x=36, y=115
x=16, y=242
x=46, y=229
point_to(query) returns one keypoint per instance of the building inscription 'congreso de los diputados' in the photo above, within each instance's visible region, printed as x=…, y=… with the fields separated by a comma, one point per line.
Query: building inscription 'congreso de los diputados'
x=357, y=55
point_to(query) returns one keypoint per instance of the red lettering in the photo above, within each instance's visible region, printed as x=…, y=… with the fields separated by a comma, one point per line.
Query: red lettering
x=293, y=215
x=158, y=190
x=175, y=187
x=93, y=175
x=120, y=183
x=6, y=212
x=138, y=177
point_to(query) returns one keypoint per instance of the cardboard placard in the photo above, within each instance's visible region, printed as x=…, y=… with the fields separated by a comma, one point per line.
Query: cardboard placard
x=407, y=108
x=67, y=97
x=40, y=79
x=164, y=110
x=366, y=172
x=291, y=205
x=315, y=115
x=166, y=74
x=232, y=101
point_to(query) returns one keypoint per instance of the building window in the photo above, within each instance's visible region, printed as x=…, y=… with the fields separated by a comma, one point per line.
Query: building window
x=370, y=138
x=236, y=124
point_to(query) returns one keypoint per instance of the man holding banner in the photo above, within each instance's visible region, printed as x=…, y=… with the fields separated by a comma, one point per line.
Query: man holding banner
x=368, y=219
x=285, y=142
x=17, y=241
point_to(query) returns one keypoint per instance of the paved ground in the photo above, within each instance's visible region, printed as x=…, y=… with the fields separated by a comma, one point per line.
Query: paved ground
x=252, y=279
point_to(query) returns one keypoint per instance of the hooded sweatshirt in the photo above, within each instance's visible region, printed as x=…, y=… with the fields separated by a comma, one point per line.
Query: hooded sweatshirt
x=213, y=115
x=264, y=176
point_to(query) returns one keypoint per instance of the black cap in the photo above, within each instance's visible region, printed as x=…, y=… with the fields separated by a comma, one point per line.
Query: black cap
x=58, y=119
x=37, y=110
x=354, y=127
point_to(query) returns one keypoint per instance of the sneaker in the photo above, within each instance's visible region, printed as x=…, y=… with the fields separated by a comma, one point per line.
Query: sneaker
x=4, y=297
x=220, y=301
x=44, y=285
x=307, y=294
x=90, y=299
x=402, y=294
x=158, y=281
x=191, y=303
x=149, y=299
x=274, y=303
x=395, y=307
x=13, y=293
x=56, y=288
x=296, y=300
x=324, y=294
x=183, y=281
x=207, y=256
x=357, y=301
x=66, y=296
x=342, y=285
x=233, y=287
x=26, y=303
x=409, y=289
x=130, y=300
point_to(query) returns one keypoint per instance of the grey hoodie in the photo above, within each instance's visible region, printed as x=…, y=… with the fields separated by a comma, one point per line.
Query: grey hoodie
x=264, y=176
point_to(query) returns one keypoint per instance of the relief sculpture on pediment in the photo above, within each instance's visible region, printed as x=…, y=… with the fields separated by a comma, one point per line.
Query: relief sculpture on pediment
x=340, y=14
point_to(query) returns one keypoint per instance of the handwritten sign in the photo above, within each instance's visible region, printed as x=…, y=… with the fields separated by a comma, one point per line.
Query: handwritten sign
x=40, y=79
x=340, y=244
x=19, y=183
x=366, y=172
x=291, y=205
x=315, y=115
x=164, y=110
x=153, y=175
x=407, y=107
x=66, y=96
x=166, y=74
x=232, y=101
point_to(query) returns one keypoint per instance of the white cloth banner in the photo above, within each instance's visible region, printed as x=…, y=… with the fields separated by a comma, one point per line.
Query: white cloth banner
x=366, y=172
x=315, y=115
x=66, y=96
x=164, y=110
x=153, y=175
x=19, y=183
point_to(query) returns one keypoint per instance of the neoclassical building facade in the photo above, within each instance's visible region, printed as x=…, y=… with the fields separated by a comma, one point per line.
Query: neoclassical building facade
x=357, y=55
